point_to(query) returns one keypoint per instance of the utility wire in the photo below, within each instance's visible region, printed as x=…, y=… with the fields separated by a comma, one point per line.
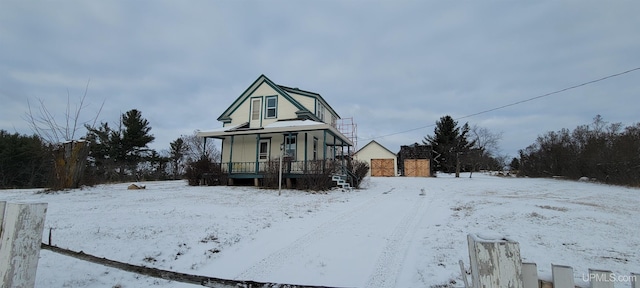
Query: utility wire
x=516, y=103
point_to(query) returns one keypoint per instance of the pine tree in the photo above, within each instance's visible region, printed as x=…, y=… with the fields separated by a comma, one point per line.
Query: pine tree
x=448, y=142
x=135, y=137
x=120, y=148
x=515, y=164
x=177, y=152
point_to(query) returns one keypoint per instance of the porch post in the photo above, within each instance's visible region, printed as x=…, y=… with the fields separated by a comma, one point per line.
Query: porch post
x=294, y=156
x=324, y=150
x=257, y=153
x=204, y=146
x=334, y=147
x=342, y=151
x=231, y=154
x=305, y=152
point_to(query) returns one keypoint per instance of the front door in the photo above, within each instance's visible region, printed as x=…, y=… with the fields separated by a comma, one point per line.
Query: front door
x=264, y=149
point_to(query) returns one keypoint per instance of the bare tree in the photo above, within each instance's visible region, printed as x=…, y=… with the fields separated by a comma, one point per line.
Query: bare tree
x=44, y=123
x=69, y=153
x=486, y=140
x=483, y=155
x=198, y=147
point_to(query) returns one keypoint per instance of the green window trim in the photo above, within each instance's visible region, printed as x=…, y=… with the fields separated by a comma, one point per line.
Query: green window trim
x=271, y=107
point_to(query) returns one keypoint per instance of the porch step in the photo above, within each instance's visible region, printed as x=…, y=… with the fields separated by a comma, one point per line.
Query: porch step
x=341, y=182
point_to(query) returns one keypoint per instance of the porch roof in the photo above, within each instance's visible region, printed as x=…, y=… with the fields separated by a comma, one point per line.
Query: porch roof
x=276, y=127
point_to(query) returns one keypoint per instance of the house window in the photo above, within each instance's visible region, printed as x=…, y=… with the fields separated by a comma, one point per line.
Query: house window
x=272, y=107
x=315, y=148
x=255, y=109
x=264, y=150
x=321, y=112
x=290, y=147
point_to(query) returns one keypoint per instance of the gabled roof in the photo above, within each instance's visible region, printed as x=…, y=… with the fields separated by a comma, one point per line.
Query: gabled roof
x=282, y=90
x=374, y=142
x=309, y=94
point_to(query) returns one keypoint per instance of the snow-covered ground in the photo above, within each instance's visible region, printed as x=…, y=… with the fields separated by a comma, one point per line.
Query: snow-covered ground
x=386, y=235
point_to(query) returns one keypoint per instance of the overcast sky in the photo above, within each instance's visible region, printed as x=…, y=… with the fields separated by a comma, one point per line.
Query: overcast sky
x=393, y=66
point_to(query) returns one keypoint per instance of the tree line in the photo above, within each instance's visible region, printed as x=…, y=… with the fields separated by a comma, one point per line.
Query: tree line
x=606, y=152
x=602, y=151
x=115, y=153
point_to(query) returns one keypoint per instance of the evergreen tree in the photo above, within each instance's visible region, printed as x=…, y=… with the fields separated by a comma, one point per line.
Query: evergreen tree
x=448, y=142
x=106, y=152
x=135, y=135
x=515, y=164
x=177, y=153
x=25, y=161
x=121, y=148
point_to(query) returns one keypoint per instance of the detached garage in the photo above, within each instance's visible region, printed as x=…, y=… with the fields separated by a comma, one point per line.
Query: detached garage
x=383, y=162
x=415, y=160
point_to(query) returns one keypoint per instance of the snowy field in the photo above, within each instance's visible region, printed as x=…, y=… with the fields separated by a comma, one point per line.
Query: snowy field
x=386, y=235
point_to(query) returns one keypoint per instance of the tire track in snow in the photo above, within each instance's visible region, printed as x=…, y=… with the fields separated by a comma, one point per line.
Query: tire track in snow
x=391, y=260
x=276, y=259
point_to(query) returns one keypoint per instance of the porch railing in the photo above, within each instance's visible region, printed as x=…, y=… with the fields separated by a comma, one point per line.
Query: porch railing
x=288, y=166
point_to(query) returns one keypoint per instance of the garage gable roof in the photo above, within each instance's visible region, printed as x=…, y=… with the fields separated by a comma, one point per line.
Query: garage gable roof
x=375, y=143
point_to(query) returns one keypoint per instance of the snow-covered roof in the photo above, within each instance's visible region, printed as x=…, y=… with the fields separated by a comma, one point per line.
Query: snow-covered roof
x=293, y=123
x=275, y=127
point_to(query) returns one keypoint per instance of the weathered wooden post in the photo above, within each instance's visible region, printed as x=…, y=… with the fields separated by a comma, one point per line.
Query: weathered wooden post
x=530, y=275
x=20, y=240
x=495, y=262
x=601, y=278
x=562, y=276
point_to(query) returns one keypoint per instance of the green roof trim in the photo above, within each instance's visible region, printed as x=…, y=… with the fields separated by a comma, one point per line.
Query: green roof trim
x=226, y=115
x=314, y=95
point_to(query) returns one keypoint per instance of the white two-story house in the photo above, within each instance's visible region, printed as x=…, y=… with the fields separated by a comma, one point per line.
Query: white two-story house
x=269, y=120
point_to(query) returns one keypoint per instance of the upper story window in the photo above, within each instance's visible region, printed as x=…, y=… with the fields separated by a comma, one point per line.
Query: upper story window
x=272, y=107
x=320, y=111
x=255, y=109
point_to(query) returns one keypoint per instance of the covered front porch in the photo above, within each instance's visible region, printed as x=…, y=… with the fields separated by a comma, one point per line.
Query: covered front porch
x=303, y=147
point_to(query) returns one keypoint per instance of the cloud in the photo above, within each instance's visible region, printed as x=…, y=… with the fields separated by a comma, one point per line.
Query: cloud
x=393, y=67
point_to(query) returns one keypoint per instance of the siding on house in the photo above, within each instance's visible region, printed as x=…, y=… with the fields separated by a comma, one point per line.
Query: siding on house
x=246, y=125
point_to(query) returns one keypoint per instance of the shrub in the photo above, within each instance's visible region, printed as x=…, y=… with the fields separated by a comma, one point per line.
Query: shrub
x=204, y=171
x=359, y=170
x=317, y=176
x=270, y=179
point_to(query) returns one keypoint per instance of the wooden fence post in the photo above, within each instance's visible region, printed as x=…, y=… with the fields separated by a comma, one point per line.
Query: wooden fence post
x=530, y=275
x=601, y=278
x=20, y=240
x=562, y=276
x=495, y=262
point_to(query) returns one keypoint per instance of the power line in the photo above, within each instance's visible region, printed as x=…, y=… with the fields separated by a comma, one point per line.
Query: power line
x=516, y=103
